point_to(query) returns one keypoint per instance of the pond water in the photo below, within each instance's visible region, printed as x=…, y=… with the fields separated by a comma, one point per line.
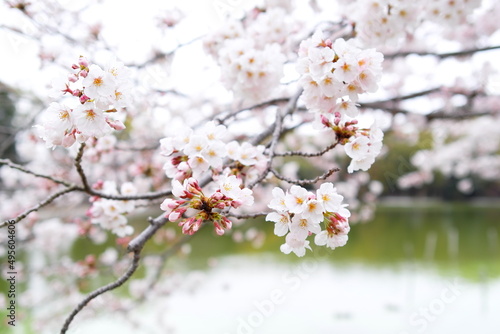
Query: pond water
x=419, y=269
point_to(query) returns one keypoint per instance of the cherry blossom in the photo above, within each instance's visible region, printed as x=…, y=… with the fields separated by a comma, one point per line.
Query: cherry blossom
x=300, y=213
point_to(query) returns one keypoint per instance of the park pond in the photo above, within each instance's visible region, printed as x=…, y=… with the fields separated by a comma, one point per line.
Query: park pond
x=419, y=268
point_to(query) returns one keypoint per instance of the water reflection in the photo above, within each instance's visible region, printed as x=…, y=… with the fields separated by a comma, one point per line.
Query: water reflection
x=412, y=270
x=452, y=239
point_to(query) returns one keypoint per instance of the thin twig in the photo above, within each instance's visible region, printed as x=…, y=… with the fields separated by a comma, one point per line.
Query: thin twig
x=163, y=55
x=441, y=55
x=147, y=148
x=12, y=165
x=79, y=169
x=247, y=216
x=40, y=205
x=277, y=128
x=130, y=271
x=381, y=103
x=305, y=154
x=146, y=196
x=291, y=107
x=163, y=261
x=258, y=105
x=305, y=182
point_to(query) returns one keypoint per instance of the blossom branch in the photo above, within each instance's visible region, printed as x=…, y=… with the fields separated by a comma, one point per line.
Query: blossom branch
x=86, y=187
x=380, y=104
x=111, y=286
x=256, y=106
x=79, y=168
x=163, y=55
x=291, y=107
x=305, y=154
x=40, y=205
x=277, y=130
x=442, y=55
x=248, y=216
x=324, y=176
x=139, y=241
x=12, y=165
x=163, y=261
x=139, y=149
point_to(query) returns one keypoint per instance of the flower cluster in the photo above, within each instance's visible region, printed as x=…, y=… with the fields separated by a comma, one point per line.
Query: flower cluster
x=109, y=213
x=363, y=148
x=199, y=208
x=299, y=213
x=251, y=52
x=250, y=72
x=334, y=74
x=380, y=22
x=361, y=145
x=194, y=153
x=99, y=93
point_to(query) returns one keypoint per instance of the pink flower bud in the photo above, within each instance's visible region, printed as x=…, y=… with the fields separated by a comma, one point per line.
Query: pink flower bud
x=220, y=205
x=193, y=186
x=83, y=62
x=68, y=140
x=196, y=225
x=98, y=185
x=325, y=121
x=226, y=223
x=217, y=196
x=73, y=78
x=218, y=229
x=236, y=203
x=84, y=73
x=168, y=205
x=115, y=124
x=75, y=66
x=174, y=215
x=84, y=98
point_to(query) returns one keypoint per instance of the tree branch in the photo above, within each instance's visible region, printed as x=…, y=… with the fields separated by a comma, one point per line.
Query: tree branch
x=247, y=216
x=324, y=176
x=381, y=103
x=12, y=165
x=258, y=105
x=79, y=169
x=442, y=55
x=305, y=154
x=130, y=271
x=277, y=129
x=40, y=205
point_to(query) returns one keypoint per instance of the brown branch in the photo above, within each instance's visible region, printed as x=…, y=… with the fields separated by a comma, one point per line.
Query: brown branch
x=12, y=165
x=113, y=285
x=258, y=105
x=441, y=55
x=140, y=149
x=381, y=104
x=247, y=216
x=305, y=154
x=40, y=205
x=324, y=176
x=164, y=55
x=86, y=187
x=444, y=115
x=277, y=129
x=79, y=168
